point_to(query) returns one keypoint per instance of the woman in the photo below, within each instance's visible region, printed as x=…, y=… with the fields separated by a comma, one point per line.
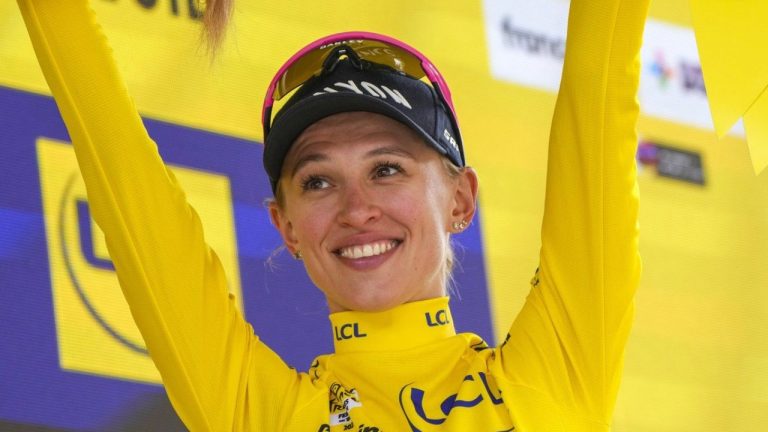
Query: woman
x=367, y=196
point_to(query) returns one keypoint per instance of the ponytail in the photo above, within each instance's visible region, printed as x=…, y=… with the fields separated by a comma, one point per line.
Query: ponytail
x=215, y=21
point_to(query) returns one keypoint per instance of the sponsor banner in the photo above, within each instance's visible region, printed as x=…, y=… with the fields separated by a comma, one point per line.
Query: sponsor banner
x=672, y=162
x=671, y=82
x=156, y=45
x=93, y=323
x=526, y=42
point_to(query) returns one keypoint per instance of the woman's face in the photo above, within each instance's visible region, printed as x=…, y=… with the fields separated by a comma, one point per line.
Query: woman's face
x=370, y=208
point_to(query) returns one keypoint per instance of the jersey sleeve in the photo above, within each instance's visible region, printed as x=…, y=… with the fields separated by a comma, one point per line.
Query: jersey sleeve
x=566, y=345
x=212, y=364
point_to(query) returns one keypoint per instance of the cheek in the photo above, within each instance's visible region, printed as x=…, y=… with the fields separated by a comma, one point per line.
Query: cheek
x=311, y=227
x=309, y=222
x=439, y=196
x=425, y=207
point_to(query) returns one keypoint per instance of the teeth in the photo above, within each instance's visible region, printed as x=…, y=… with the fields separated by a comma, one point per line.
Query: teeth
x=367, y=250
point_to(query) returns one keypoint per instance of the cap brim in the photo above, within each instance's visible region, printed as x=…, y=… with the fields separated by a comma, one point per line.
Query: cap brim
x=297, y=118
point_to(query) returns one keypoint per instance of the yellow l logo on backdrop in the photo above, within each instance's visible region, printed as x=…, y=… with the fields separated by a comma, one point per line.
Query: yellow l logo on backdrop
x=94, y=327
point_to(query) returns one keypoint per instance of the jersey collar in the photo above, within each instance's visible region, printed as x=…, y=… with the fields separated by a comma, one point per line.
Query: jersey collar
x=405, y=326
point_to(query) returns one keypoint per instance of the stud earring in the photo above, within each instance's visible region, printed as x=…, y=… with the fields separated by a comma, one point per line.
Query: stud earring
x=460, y=226
x=297, y=255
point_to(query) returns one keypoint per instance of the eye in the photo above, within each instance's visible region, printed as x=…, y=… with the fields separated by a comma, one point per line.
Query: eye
x=387, y=169
x=314, y=182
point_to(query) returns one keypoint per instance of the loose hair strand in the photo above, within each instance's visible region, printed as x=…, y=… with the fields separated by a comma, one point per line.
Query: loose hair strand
x=215, y=21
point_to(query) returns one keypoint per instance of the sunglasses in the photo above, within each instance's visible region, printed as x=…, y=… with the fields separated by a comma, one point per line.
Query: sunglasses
x=311, y=60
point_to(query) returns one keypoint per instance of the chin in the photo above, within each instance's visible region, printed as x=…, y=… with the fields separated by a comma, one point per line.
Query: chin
x=375, y=301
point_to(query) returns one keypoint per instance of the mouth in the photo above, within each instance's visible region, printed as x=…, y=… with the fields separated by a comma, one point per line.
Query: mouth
x=367, y=250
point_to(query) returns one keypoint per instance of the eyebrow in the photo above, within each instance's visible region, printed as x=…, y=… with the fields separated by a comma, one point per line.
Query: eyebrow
x=319, y=157
x=390, y=150
x=312, y=157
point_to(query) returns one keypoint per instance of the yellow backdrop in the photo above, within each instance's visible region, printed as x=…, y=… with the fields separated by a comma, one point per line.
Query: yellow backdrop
x=698, y=356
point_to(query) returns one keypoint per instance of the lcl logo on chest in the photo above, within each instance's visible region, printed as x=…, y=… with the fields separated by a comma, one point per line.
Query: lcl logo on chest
x=348, y=331
x=440, y=318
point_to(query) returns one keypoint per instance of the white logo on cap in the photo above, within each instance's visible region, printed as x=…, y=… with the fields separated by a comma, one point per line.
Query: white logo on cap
x=450, y=139
x=379, y=91
x=344, y=42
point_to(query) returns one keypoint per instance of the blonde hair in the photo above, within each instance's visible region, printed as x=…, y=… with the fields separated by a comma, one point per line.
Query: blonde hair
x=215, y=21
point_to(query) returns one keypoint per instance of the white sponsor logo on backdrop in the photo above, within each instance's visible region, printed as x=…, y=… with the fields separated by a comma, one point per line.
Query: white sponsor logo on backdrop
x=671, y=82
x=526, y=42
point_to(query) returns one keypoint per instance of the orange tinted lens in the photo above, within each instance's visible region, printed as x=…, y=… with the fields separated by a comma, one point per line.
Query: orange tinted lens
x=373, y=51
x=304, y=68
x=390, y=55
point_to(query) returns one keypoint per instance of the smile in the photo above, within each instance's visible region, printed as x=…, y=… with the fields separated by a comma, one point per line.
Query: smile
x=368, y=249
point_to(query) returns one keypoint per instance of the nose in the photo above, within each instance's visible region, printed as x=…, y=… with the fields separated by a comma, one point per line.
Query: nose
x=358, y=206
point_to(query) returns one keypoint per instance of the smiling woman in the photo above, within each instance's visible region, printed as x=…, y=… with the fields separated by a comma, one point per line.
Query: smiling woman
x=366, y=161
x=371, y=207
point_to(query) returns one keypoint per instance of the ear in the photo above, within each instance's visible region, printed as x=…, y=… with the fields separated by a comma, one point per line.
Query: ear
x=280, y=221
x=465, y=198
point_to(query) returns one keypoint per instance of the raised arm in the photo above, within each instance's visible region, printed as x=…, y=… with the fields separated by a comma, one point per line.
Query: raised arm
x=567, y=344
x=172, y=280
